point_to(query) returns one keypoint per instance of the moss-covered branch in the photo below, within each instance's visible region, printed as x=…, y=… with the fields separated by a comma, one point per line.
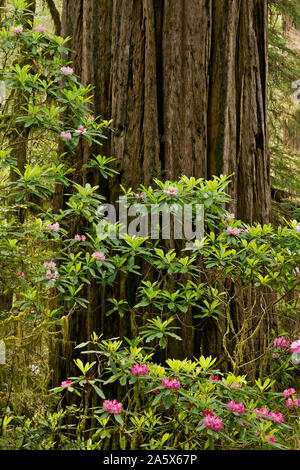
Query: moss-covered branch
x=55, y=16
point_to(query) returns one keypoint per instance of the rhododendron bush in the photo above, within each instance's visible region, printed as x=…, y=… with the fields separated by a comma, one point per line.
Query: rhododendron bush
x=185, y=404
x=239, y=279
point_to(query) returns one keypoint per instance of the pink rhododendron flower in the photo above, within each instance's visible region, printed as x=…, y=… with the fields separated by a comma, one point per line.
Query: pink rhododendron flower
x=53, y=227
x=81, y=130
x=21, y=275
x=292, y=402
x=16, y=30
x=277, y=417
x=171, y=191
x=261, y=412
x=288, y=392
x=139, y=369
x=237, y=407
x=264, y=413
x=66, y=135
x=80, y=238
x=51, y=273
x=66, y=383
x=216, y=378
x=276, y=355
x=49, y=265
x=234, y=231
x=208, y=413
x=213, y=422
x=234, y=385
x=229, y=217
x=112, y=407
x=281, y=342
x=295, y=346
x=171, y=383
x=99, y=256
x=67, y=70
x=39, y=28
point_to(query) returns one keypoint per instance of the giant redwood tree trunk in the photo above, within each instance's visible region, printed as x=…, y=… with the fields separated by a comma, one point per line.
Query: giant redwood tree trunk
x=185, y=84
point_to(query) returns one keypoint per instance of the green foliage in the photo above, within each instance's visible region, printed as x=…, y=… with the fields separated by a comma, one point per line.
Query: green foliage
x=45, y=274
x=154, y=416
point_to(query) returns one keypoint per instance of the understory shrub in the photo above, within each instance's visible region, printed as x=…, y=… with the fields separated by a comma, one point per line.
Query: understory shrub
x=184, y=404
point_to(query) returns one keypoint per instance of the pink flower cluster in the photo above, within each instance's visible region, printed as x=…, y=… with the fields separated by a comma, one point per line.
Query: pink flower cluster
x=264, y=413
x=112, y=407
x=99, y=256
x=66, y=383
x=39, y=28
x=171, y=383
x=51, y=273
x=281, y=342
x=288, y=392
x=236, y=385
x=21, y=275
x=276, y=355
x=81, y=130
x=208, y=413
x=216, y=378
x=229, y=217
x=80, y=238
x=67, y=70
x=292, y=402
x=16, y=30
x=213, y=422
x=171, y=191
x=53, y=227
x=236, y=407
x=50, y=265
x=66, y=135
x=295, y=347
x=261, y=412
x=236, y=231
x=297, y=228
x=277, y=417
x=139, y=369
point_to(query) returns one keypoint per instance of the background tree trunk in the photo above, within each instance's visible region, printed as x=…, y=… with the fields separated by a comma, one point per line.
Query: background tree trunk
x=185, y=83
